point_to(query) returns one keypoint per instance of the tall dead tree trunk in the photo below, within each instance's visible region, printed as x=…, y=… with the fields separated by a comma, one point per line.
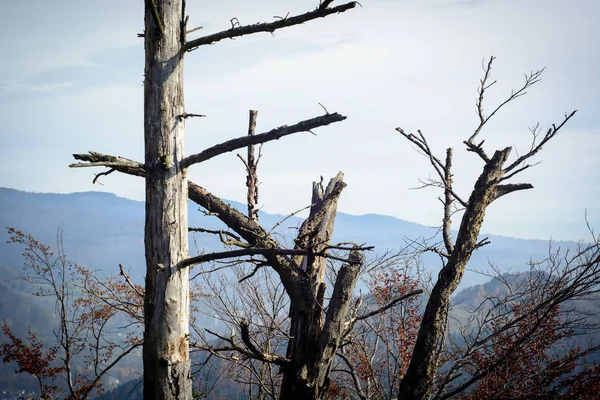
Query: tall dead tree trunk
x=301, y=377
x=166, y=306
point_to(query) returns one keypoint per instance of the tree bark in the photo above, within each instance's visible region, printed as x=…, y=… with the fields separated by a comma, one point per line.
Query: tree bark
x=419, y=378
x=166, y=304
x=301, y=377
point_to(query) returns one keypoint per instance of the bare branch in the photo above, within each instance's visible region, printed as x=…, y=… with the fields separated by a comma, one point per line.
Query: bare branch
x=129, y=282
x=121, y=164
x=98, y=175
x=353, y=374
x=530, y=79
x=237, y=30
x=439, y=167
x=275, y=134
x=501, y=190
x=251, y=274
x=288, y=217
x=389, y=305
x=550, y=133
x=278, y=360
x=215, y=232
x=258, y=251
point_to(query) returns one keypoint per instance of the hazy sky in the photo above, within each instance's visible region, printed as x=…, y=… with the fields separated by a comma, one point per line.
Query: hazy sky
x=71, y=81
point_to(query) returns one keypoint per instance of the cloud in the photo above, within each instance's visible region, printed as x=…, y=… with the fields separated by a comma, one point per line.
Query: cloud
x=388, y=64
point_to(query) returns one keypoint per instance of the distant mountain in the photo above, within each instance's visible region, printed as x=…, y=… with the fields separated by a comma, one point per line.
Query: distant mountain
x=101, y=230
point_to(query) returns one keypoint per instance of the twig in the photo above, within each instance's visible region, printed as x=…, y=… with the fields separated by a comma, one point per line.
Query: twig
x=389, y=305
x=288, y=217
x=254, y=271
x=98, y=175
x=129, y=282
x=326, y=112
x=193, y=30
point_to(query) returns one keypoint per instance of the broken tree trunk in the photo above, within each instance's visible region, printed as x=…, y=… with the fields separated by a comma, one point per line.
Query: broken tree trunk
x=306, y=376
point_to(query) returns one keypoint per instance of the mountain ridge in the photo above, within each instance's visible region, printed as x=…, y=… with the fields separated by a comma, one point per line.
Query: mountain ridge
x=93, y=222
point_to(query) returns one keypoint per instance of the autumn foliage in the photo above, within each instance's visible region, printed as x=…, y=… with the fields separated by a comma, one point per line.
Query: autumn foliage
x=85, y=343
x=527, y=356
x=32, y=358
x=515, y=346
x=381, y=347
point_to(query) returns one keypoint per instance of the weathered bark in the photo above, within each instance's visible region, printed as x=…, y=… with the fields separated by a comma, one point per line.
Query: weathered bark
x=166, y=304
x=251, y=168
x=419, y=378
x=302, y=377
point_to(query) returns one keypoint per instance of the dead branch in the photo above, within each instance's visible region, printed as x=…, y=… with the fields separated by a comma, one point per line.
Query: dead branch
x=353, y=374
x=251, y=165
x=121, y=164
x=535, y=148
x=129, y=282
x=98, y=175
x=438, y=166
x=189, y=115
x=274, y=134
x=219, y=232
x=251, y=274
x=237, y=30
x=258, y=251
x=530, y=79
x=259, y=355
x=288, y=217
x=389, y=305
x=251, y=352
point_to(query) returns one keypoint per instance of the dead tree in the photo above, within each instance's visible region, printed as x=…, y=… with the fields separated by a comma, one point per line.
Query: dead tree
x=531, y=332
x=166, y=309
x=493, y=183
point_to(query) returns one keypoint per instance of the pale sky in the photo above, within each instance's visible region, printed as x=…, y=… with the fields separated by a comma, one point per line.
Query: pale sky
x=71, y=81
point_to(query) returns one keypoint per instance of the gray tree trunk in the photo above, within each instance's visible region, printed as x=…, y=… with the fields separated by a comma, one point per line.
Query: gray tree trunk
x=166, y=306
x=419, y=378
x=312, y=345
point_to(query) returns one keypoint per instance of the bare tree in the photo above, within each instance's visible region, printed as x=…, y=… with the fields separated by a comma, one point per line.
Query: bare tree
x=256, y=306
x=493, y=182
x=86, y=344
x=166, y=309
x=514, y=342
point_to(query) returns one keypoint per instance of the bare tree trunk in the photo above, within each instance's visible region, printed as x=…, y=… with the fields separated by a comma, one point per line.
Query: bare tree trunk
x=166, y=305
x=419, y=378
x=302, y=378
